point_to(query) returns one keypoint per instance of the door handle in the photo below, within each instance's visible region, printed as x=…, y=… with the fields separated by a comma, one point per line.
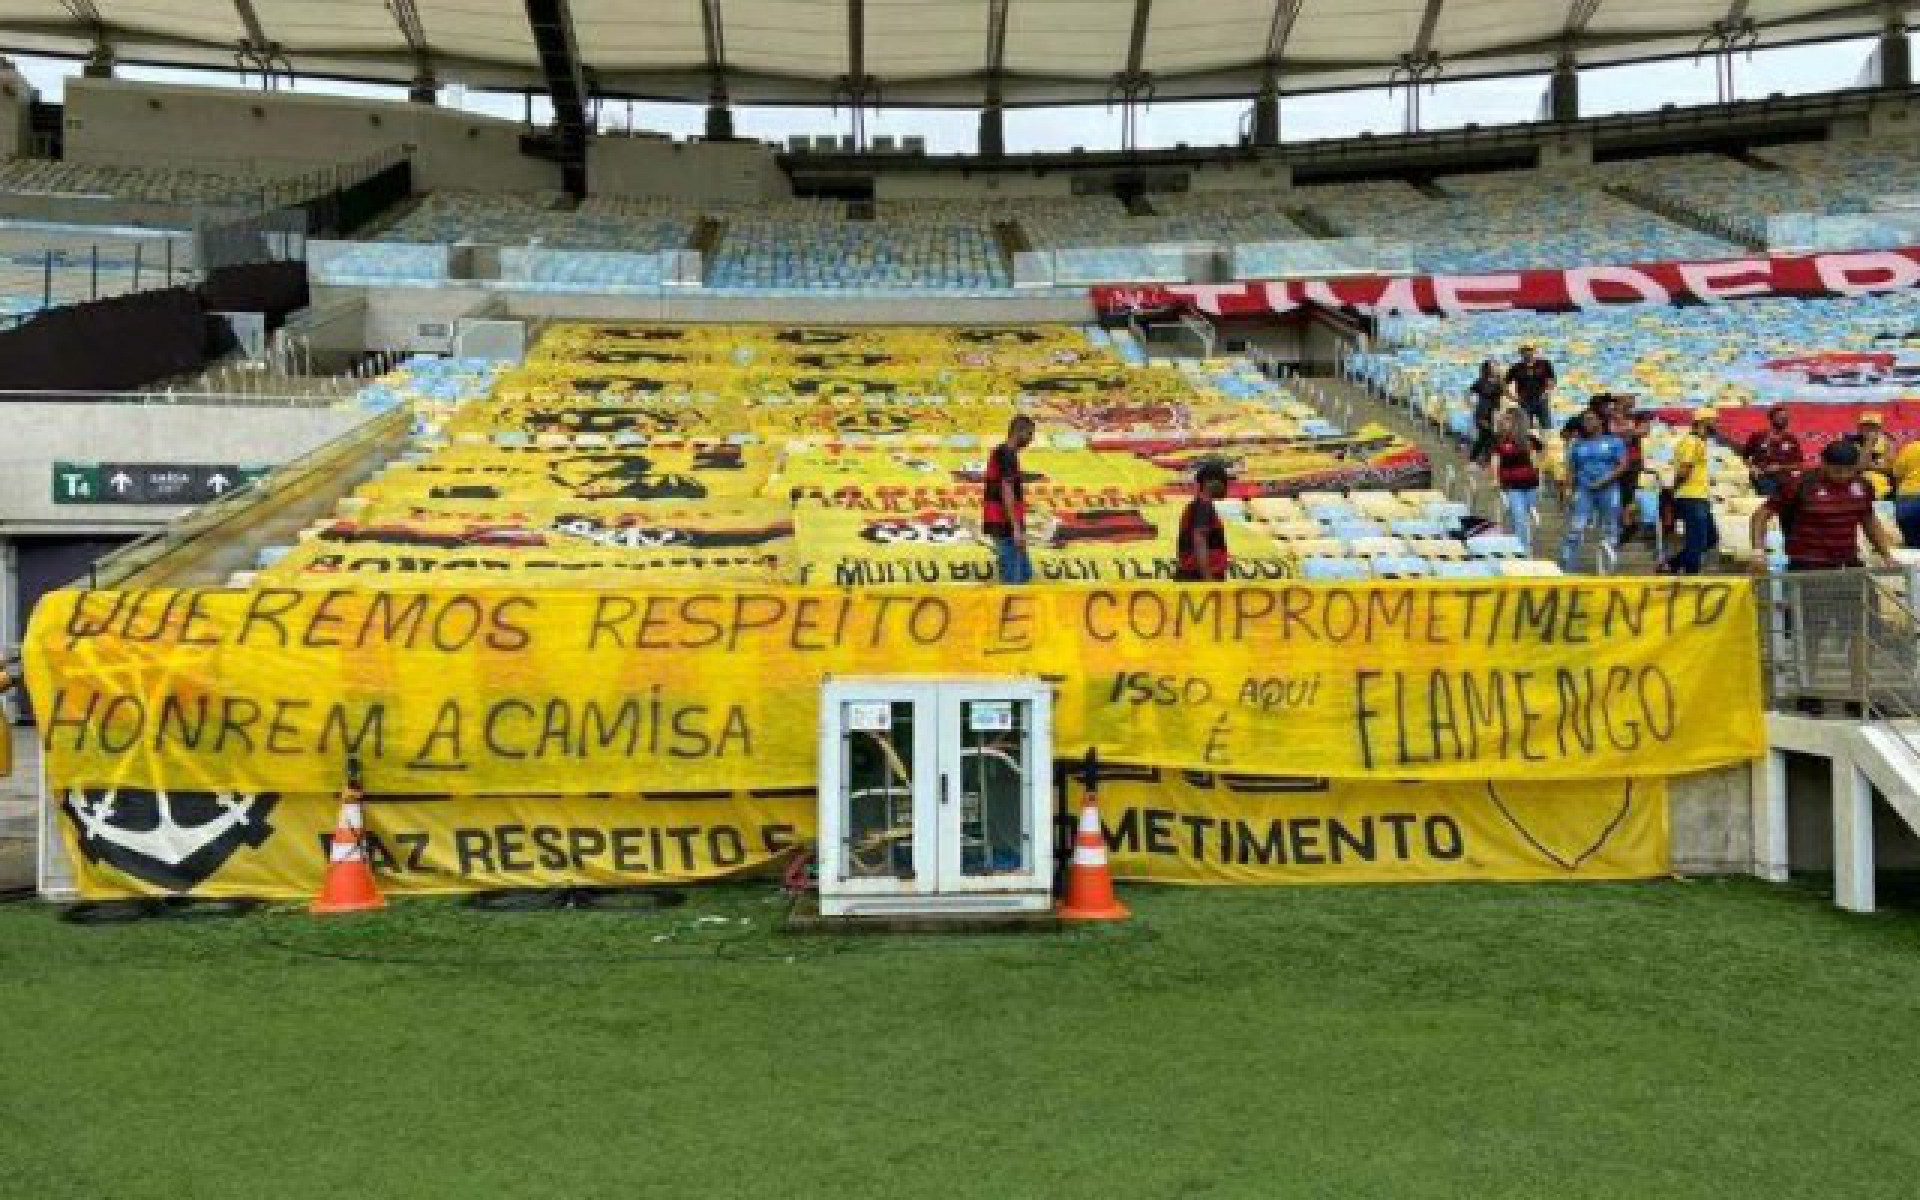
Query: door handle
x=944, y=799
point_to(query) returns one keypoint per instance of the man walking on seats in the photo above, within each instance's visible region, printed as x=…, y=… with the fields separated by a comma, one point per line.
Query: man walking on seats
x=1003, y=504
x=1531, y=380
x=1203, y=539
x=1693, y=496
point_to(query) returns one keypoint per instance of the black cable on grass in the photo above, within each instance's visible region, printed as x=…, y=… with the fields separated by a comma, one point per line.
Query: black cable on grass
x=626, y=899
x=738, y=948
x=108, y=912
x=196, y=908
x=518, y=900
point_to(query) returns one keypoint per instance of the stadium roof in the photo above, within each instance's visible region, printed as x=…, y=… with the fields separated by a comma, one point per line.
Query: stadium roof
x=919, y=51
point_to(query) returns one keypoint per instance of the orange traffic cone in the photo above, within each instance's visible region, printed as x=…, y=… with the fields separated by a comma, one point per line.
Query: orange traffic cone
x=1089, y=883
x=348, y=886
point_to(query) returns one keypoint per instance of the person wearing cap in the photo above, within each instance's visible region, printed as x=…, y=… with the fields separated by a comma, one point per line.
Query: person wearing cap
x=1693, y=495
x=1202, y=548
x=1774, y=455
x=1531, y=382
x=1906, y=493
x=1876, y=449
x=1824, y=512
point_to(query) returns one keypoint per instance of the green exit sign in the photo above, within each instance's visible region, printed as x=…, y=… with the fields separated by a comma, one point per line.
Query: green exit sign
x=163, y=484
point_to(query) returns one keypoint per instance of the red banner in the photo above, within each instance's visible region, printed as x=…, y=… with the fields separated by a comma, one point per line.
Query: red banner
x=1850, y=273
x=1815, y=424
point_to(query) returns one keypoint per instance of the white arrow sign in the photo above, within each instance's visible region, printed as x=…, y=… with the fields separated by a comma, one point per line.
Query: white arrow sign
x=120, y=482
x=218, y=483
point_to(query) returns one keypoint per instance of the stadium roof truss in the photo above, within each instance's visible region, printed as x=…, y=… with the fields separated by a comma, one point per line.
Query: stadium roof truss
x=939, y=52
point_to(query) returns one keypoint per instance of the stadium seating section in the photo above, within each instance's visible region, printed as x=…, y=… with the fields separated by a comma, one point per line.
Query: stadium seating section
x=1850, y=351
x=1509, y=220
x=821, y=249
x=763, y=453
x=170, y=185
x=1755, y=351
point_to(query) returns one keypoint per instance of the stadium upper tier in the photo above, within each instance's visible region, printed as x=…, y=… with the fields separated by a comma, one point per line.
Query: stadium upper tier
x=173, y=185
x=760, y=252
x=1511, y=220
x=1617, y=212
x=509, y=219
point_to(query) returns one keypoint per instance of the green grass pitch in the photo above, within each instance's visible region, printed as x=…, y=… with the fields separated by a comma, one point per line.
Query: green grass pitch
x=1672, y=1039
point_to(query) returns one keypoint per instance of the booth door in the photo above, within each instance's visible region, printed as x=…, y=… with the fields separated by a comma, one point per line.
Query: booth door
x=887, y=782
x=993, y=752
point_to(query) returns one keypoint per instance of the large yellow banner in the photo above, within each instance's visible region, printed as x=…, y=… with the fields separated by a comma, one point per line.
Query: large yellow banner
x=1161, y=826
x=506, y=692
x=1200, y=827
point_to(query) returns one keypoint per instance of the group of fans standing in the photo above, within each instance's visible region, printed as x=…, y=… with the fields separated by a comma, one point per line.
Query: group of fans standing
x=1822, y=508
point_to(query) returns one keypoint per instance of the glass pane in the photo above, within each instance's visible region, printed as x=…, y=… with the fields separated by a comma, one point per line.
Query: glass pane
x=878, y=768
x=994, y=836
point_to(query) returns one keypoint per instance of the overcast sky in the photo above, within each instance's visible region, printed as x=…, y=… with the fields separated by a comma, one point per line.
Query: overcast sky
x=1604, y=90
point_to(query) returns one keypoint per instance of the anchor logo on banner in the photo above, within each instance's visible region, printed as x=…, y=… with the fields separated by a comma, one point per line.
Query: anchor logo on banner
x=174, y=840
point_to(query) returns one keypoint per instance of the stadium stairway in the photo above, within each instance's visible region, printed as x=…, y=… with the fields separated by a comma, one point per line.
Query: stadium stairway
x=206, y=547
x=1456, y=475
x=1669, y=208
x=1311, y=220
x=707, y=237
x=1868, y=759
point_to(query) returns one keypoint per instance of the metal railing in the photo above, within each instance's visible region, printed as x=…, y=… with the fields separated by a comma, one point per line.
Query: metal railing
x=183, y=397
x=1850, y=638
x=325, y=466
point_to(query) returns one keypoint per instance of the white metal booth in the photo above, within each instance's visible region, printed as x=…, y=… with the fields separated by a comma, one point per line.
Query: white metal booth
x=935, y=796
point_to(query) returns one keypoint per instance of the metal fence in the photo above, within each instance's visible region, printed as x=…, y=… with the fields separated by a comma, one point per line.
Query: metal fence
x=1848, y=638
x=45, y=266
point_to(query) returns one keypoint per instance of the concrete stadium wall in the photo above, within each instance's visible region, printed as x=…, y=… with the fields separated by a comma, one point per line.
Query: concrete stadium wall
x=1810, y=822
x=1893, y=116
x=1713, y=816
x=738, y=171
x=16, y=107
x=972, y=185
x=38, y=435
x=123, y=122
x=1241, y=177
x=1711, y=819
x=111, y=121
x=423, y=319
